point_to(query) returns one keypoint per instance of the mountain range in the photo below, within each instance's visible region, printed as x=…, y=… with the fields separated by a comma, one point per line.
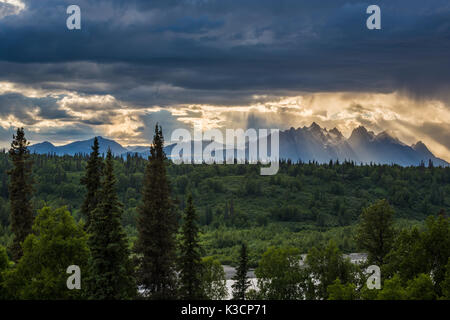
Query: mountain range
x=363, y=146
x=312, y=143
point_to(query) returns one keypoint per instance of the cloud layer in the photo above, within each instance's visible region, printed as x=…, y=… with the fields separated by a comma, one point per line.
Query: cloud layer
x=222, y=63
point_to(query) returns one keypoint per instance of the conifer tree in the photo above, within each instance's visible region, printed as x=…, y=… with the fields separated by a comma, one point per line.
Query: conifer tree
x=241, y=283
x=190, y=259
x=157, y=227
x=20, y=192
x=92, y=181
x=226, y=215
x=231, y=208
x=110, y=269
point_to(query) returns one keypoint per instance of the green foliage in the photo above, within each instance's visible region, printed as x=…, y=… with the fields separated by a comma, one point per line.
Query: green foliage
x=110, y=268
x=279, y=274
x=20, y=192
x=376, y=233
x=340, y=291
x=92, y=182
x=190, y=259
x=446, y=283
x=241, y=283
x=303, y=206
x=214, y=283
x=4, y=260
x=427, y=252
x=4, y=264
x=367, y=294
x=408, y=257
x=157, y=226
x=420, y=288
x=327, y=264
x=298, y=202
x=393, y=289
x=56, y=243
x=436, y=241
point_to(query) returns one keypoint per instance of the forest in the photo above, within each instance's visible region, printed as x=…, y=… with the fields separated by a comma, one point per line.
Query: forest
x=211, y=215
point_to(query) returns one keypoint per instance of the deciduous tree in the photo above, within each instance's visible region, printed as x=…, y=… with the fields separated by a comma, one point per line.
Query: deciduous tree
x=327, y=264
x=56, y=243
x=280, y=275
x=375, y=232
x=213, y=279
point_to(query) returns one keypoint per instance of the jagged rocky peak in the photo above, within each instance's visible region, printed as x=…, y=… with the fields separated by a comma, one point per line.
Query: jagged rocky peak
x=419, y=146
x=317, y=131
x=361, y=132
x=304, y=143
x=388, y=137
x=384, y=135
x=336, y=133
x=314, y=127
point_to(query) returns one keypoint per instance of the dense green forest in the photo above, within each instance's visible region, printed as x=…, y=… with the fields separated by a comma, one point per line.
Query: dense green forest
x=166, y=228
x=304, y=205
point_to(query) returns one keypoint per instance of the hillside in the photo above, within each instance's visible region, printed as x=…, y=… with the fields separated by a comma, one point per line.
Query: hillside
x=303, y=205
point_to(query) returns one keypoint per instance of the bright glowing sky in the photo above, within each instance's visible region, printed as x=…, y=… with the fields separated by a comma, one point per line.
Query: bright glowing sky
x=224, y=64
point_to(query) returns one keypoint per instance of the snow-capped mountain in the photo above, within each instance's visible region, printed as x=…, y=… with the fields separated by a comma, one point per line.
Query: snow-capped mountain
x=363, y=146
x=314, y=143
x=311, y=143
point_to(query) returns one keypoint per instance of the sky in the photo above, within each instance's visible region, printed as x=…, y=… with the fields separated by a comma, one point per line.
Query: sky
x=224, y=64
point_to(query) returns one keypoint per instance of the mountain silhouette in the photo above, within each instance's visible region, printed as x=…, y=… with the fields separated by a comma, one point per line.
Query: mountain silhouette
x=312, y=143
x=78, y=147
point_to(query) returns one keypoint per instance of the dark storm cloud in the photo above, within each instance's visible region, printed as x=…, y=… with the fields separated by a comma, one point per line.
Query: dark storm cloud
x=135, y=55
x=6, y=135
x=100, y=118
x=166, y=120
x=62, y=134
x=28, y=109
x=140, y=85
x=440, y=133
x=223, y=52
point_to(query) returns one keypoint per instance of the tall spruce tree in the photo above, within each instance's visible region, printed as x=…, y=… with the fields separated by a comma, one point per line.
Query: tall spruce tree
x=92, y=181
x=110, y=274
x=190, y=260
x=242, y=283
x=20, y=192
x=157, y=227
